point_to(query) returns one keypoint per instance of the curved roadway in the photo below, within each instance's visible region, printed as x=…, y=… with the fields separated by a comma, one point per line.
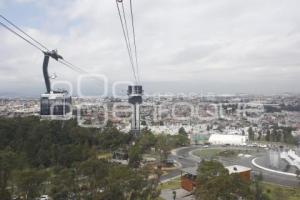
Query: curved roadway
x=184, y=157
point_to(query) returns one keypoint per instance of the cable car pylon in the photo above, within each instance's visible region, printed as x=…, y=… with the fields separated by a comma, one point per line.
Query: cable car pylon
x=135, y=91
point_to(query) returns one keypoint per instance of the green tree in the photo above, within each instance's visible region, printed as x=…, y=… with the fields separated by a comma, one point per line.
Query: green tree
x=215, y=182
x=111, y=138
x=124, y=183
x=251, y=134
x=274, y=135
x=287, y=136
x=64, y=184
x=30, y=149
x=7, y=164
x=298, y=174
x=30, y=183
x=259, y=135
x=278, y=137
x=135, y=156
x=258, y=191
x=164, y=146
x=182, y=138
x=268, y=136
x=146, y=140
x=208, y=128
x=182, y=131
x=95, y=172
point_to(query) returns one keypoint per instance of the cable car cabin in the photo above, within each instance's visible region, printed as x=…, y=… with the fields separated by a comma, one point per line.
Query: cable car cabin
x=56, y=105
x=135, y=93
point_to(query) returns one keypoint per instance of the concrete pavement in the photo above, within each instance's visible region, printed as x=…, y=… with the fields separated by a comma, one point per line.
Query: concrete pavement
x=181, y=194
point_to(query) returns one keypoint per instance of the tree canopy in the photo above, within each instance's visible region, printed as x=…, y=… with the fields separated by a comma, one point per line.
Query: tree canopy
x=215, y=182
x=60, y=158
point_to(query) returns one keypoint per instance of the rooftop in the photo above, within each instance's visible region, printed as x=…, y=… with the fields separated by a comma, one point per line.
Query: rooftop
x=237, y=169
x=232, y=169
x=190, y=170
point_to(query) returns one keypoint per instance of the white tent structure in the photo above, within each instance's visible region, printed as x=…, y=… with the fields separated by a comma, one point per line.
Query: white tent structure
x=220, y=139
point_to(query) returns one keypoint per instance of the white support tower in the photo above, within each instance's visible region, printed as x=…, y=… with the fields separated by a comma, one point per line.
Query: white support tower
x=135, y=93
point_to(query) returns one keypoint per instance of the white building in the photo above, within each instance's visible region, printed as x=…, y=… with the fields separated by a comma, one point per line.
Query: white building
x=220, y=139
x=291, y=157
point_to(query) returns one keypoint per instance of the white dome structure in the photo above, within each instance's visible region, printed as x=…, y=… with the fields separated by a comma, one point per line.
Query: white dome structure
x=220, y=139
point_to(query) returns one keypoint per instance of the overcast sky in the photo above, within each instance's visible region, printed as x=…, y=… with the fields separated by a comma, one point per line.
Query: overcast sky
x=221, y=46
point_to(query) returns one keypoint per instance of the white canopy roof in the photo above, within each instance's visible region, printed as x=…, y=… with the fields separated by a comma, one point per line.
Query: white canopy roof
x=228, y=139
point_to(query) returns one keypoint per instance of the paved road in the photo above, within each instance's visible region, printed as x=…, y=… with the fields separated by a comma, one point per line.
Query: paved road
x=182, y=156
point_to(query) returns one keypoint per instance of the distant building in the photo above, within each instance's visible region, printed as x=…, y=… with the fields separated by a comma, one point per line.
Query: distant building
x=219, y=139
x=199, y=138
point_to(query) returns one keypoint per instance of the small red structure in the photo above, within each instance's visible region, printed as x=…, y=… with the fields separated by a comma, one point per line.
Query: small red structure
x=244, y=172
x=188, y=178
x=189, y=175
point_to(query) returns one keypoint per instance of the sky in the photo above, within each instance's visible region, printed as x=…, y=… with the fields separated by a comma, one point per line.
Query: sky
x=218, y=46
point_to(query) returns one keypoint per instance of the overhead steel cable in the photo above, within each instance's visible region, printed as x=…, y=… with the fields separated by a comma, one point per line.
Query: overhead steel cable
x=78, y=69
x=125, y=36
x=126, y=29
x=129, y=41
x=44, y=50
x=11, y=23
x=17, y=34
x=134, y=42
x=71, y=67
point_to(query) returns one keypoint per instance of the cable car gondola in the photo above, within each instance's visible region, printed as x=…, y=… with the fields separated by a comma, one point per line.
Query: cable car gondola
x=57, y=104
x=54, y=104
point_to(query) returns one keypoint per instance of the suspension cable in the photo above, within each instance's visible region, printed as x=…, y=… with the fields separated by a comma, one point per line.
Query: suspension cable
x=134, y=42
x=62, y=61
x=75, y=67
x=20, y=36
x=125, y=36
x=78, y=69
x=11, y=23
x=126, y=29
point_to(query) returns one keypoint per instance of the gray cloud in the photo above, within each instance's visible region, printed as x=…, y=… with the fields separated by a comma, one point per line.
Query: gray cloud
x=239, y=45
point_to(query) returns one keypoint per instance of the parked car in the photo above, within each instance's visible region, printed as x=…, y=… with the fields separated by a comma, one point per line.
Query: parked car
x=44, y=197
